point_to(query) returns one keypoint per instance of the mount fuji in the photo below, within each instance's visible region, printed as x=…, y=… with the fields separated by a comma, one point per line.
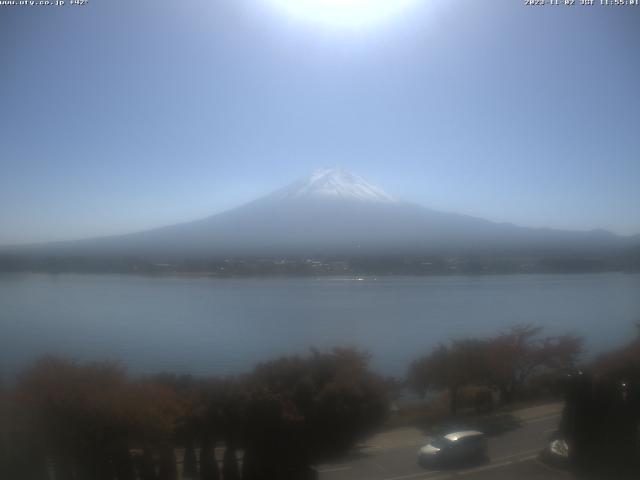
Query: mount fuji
x=334, y=213
x=334, y=183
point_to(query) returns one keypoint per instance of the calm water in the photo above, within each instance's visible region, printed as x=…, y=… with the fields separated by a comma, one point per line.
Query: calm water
x=227, y=325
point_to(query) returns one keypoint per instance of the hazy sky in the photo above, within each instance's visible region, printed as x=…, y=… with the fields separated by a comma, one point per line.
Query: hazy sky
x=119, y=116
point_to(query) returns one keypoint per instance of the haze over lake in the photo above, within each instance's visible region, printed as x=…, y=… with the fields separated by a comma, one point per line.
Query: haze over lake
x=223, y=326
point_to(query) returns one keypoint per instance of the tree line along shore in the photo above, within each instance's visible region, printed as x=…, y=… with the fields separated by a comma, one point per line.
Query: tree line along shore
x=67, y=420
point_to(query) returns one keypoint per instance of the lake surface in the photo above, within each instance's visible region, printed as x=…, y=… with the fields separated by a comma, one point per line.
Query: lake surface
x=204, y=325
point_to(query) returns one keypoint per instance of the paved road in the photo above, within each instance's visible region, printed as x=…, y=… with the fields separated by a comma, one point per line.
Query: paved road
x=394, y=457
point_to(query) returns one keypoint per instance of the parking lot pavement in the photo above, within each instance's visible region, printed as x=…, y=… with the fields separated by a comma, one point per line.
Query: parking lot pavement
x=393, y=455
x=527, y=469
x=539, y=411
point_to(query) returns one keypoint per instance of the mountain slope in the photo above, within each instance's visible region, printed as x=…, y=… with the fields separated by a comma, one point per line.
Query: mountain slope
x=335, y=213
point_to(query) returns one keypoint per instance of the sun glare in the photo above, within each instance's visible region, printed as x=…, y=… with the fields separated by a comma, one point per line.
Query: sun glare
x=343, y=13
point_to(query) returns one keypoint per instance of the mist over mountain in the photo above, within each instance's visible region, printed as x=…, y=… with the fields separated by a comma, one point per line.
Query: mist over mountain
x=334, y=213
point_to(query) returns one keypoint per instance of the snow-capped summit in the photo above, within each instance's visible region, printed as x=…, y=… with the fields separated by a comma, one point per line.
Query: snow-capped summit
x=336, y=214
x=335, y=183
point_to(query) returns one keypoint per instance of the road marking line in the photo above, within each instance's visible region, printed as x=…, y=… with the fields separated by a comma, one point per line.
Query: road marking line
x=497, y=465
x=501, y=462
x=552, y=469
x=541, y=419
x=414, y=475
x=525, y=452
x=481, y=469
x=334, y=469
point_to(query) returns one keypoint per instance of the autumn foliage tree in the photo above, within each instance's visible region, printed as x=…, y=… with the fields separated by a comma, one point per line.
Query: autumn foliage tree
x=504, y=362
x=449, y=367
x=601, y=418
x=514, y=356
x=91, y=421
x=91, y=416
x=303, y=409
x=620, y=363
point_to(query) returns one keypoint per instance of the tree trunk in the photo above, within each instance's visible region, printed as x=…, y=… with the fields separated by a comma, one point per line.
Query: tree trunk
x=507, y=394
x=230, y=464
x=453, y=399
x=168, y=466
x=123, y=463
x=189, y=462
x=146, y=467
x=250, y=465
x=208, y=463
x=33, y=465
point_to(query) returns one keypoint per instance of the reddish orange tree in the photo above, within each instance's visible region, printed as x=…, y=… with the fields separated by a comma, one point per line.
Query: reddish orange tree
x=449, y=367
x=514, y=356
x=620, y=363
x=303, y=408
x=90, y=416
x=505, y=362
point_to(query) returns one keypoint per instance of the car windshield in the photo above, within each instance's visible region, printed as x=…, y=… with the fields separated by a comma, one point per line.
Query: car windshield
x=441, y=442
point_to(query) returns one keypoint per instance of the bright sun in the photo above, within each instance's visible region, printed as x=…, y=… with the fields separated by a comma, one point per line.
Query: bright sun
x=343, y=13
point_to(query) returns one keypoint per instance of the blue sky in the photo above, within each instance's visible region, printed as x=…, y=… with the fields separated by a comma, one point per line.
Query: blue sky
x=120, y=116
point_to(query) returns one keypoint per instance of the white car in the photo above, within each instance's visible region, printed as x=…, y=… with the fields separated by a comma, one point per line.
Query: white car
x=454, y=447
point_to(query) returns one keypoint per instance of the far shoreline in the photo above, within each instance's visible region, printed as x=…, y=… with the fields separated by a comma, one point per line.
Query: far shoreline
x=344, y=277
